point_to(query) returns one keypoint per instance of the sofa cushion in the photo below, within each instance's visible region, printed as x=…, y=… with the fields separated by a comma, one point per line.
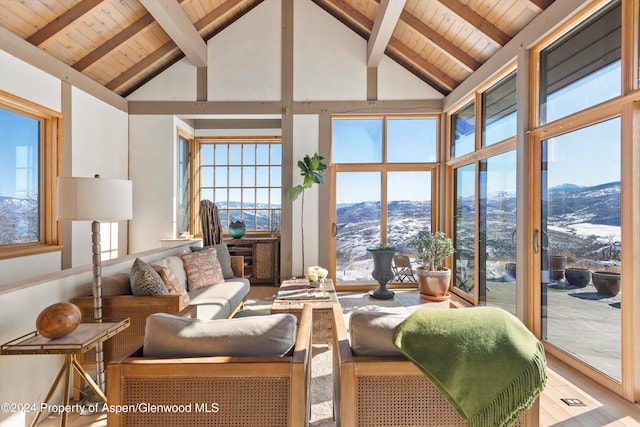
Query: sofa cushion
x=116, y=284
x=145, y=280
x=167, y=335
x=177, y=266
x=173, y=284
x=233, y=291
x=372, y=333
x=203, y=269
x=212, y=308
x=224, y=257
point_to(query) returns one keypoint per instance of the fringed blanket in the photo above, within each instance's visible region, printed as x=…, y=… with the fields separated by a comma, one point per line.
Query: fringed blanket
x=483, y=360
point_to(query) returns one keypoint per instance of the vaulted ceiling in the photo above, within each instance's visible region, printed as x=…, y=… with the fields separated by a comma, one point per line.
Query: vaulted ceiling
x=122, y=44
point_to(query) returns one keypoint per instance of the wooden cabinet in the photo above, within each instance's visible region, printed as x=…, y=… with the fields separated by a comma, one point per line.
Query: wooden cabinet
x=261, y=258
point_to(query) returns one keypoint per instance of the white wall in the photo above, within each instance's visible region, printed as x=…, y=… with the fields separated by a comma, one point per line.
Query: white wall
x=395, y=82
x=177, y=83
x=99, y=144
x=21, y=79
x=244, y=59
x=152, y=155
x=329, y=59
x=305, y=141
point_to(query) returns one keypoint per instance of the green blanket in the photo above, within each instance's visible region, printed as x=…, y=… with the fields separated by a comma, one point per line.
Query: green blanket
x=483, y=360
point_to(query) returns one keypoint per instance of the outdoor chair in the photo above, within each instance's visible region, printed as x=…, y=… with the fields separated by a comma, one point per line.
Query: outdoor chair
x=402, y=269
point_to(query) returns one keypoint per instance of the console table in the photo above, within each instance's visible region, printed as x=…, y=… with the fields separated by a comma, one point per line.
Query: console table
x=85, y=337
x=261, y=258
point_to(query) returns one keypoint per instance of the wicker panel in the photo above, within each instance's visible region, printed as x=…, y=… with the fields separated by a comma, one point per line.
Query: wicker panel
x=242, y=402
x=263, y=265
x=406, y=401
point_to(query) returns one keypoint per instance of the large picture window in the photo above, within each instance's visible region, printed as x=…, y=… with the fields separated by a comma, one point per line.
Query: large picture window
x=243, y=177
x=382, y=178
x=28, y=167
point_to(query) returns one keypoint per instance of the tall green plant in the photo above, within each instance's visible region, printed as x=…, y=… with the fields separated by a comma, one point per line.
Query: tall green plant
x=311, y=169
x=432, y=248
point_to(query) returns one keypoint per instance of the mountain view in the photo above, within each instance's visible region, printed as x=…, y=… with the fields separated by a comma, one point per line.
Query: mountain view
x=19, y=220
x=583, y=223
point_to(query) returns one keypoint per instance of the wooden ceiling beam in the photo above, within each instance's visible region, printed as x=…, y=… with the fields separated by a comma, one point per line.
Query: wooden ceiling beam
x=385, y=22
x=62, y=21
x=141, y=66
x=115, y=41
x=449, y=49
x=175, y=22
x=220, y=13
x=539, y=5
x=481, y=24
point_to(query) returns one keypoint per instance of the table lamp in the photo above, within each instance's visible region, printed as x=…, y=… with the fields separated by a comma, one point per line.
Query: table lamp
x=95, y=199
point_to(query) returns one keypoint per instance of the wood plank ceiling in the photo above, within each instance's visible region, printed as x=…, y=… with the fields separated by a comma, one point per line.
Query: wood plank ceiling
x=122, y=44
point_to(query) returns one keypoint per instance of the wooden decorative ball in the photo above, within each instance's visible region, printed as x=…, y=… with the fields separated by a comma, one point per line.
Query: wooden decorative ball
x=58, y=320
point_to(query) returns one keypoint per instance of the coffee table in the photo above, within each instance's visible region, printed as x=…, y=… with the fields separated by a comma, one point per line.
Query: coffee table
x=295, y=293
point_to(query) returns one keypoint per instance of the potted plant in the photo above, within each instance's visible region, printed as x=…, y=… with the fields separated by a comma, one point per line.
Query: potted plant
x=432, y=249
x=382, y=272
x=311, y=170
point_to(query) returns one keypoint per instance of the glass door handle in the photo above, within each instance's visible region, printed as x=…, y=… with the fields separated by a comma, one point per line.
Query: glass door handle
x=334, y=230
x=536, y=243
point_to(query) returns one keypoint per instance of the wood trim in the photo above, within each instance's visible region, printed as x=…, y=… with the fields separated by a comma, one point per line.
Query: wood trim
x=630, y=258
x=629, y=51
x=50, y=156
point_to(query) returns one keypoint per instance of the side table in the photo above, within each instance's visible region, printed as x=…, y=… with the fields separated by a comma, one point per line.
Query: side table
x=84, y=338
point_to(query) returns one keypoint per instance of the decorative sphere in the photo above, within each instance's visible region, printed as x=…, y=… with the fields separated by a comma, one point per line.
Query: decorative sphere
x=58, y=320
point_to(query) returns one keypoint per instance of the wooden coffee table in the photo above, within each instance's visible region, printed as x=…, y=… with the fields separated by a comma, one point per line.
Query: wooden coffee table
x=295, y=293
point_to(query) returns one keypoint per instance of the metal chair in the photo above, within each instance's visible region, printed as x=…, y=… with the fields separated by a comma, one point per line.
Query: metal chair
x=402, y=269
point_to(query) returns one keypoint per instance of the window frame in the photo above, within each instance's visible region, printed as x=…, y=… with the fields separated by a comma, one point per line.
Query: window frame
x=196, y=164
x=50, y=164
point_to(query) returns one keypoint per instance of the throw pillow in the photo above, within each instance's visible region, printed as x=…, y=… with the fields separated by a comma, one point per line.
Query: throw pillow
x=167, y=335
x=203, y=269
x=145, y=280
x=224, y=257
x=172, y=283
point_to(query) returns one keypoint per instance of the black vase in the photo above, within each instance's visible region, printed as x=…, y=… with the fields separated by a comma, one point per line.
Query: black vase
x=382, y=271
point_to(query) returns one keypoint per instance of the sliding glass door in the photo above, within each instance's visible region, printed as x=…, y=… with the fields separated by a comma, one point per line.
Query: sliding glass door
x=580, y=232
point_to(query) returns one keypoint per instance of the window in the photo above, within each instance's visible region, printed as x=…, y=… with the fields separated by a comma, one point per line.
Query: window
x=28, y=167
x=463, y=130
x=243, y=177
x=499, y=114
x=184, y=184
x=583, y=68
x=382, y=178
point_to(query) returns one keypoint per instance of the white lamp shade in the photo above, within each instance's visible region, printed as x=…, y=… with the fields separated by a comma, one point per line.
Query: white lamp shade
x=94, y=199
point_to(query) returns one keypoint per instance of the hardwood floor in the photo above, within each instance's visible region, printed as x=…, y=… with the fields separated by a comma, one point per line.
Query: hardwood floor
x=601, y=407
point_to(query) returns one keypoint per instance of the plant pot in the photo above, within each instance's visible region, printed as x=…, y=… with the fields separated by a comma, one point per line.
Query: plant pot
x=558, y=266
x=510, y=272
x=578, y=277
x=606, y=283
x=382, y=271
x=434, y=283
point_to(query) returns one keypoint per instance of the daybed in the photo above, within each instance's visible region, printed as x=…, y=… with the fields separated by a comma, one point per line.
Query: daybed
x=213, y=390
x=218, y=301
x=375, y=385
